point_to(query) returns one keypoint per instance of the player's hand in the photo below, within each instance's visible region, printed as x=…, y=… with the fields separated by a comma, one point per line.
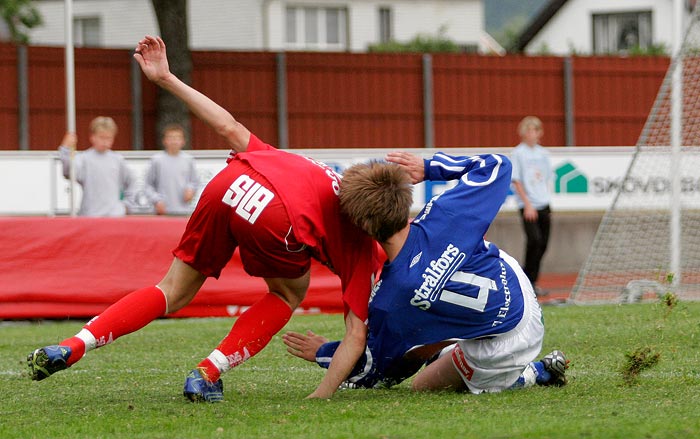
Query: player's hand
x=303, y=346
x=530, y=214
x=70, y=140
x=160, y=208
x=151, y=55
x=411, y=163
x=316, y=394
x=188, y=195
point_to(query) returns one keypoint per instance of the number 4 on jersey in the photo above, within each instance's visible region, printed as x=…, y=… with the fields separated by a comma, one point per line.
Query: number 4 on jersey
x=477, y=303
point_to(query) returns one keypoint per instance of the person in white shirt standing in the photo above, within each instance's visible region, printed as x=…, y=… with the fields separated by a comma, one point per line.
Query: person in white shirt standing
x=532, y=174
x=172, y=180
x=105, y=178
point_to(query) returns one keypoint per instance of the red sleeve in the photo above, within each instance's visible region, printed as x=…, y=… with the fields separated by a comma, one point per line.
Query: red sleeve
x=357, y=280
x=254, y=144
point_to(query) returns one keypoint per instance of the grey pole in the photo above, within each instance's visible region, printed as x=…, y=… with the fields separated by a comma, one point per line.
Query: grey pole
x=428, y=119
x=569, y=123
x=23, y=97
x=70, y=96
x=282, y=121
x=136, y=106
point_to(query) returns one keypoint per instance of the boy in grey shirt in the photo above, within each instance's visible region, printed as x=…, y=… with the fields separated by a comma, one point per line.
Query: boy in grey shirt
x=172, y=179
x=102, y=173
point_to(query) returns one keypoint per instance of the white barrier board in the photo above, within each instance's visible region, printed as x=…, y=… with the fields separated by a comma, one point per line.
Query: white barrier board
x=585, y=178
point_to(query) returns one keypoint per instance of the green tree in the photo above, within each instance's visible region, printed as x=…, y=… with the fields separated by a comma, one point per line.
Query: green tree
x=172, y=21
x=421, y=43
x=19, y=16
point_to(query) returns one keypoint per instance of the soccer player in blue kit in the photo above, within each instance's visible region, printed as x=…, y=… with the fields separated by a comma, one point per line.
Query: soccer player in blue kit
x=446, y=297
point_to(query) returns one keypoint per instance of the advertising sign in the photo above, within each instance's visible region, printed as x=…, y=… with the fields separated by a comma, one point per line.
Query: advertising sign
x=585, y=179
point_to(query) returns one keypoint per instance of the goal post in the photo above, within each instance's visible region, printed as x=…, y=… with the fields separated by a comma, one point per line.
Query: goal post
x=648, y=242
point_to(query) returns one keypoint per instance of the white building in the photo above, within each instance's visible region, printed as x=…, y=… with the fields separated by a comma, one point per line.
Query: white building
x=600, y=26
x=275, y=25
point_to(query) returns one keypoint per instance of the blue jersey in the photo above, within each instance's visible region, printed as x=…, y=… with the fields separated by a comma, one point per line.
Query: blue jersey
x=447, y=282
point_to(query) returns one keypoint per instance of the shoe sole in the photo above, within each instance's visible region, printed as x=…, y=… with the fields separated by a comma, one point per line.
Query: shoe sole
x=558, y=376
x=195, y=397
x=198, y=397
x=37, y=361
x=198, y=390
x=40, y=367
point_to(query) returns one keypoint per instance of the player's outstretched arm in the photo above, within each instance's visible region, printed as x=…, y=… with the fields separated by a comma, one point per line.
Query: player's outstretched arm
x=150, y=53
x=412, y=163
x=303, y=346
x=349, y=351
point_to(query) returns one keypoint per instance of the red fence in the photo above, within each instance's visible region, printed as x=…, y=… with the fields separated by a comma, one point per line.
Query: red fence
x=8, y=98
x=479, y=101
x=342, y=100
x=614, y=97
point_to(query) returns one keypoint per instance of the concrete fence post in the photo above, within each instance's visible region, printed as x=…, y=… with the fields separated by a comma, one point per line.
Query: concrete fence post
x=282, y=122
x=569, y=121
x=136, y=106
x=22, y=98
x=428, y=113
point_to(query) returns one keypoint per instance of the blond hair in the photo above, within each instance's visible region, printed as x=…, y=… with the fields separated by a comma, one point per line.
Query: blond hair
x=377, y=197
x=103, y=123
x=173, y=127
x=529, y=121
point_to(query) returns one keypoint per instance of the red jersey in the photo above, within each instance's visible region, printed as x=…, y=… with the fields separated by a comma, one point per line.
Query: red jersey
x=309, y=190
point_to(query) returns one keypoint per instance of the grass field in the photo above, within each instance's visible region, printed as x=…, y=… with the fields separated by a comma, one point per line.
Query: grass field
x=132, y=389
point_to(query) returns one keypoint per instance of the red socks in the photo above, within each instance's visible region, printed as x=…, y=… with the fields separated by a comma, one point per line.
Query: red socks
x=77, y=348
x=131, y=313
x=251, y=332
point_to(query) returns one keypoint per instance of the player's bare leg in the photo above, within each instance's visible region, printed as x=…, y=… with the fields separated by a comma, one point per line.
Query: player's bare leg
x=180, y=284
x=439, y=375
x=303, y=346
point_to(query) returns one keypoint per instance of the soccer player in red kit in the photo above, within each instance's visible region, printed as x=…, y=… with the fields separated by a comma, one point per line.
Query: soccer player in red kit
x=280, y=209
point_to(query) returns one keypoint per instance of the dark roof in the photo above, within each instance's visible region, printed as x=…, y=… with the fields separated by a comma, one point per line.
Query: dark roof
x=537, y=23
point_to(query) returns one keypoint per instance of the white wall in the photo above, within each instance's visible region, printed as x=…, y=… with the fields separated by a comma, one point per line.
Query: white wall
x=123, y=22
x=463, y=20
x=225, y=24
x=38, y=186
x=213, y=24
x=259, y=24
x=571, y=28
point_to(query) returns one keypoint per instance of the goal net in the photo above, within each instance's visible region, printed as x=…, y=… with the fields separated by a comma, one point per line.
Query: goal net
x=648, y=242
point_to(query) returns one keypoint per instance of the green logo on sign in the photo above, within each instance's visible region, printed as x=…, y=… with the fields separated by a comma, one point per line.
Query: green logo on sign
x=570, y=180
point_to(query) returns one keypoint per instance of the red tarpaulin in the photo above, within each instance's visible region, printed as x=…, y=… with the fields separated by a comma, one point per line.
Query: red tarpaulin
x=76, y=267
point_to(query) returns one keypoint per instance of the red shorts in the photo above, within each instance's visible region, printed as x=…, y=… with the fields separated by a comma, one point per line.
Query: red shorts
x=240, y=208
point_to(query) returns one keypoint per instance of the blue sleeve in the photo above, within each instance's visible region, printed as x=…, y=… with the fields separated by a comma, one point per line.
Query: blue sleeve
x=363, y=375
x=324, y=354
x=477, y=169
x=484, y=181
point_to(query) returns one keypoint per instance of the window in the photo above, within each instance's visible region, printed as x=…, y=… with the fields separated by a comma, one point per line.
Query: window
x=86, y=31
x=316, y=28
x=385, y=25
x=333, y=26
x=613, y=33
x=311, y=25
x=291, y=26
